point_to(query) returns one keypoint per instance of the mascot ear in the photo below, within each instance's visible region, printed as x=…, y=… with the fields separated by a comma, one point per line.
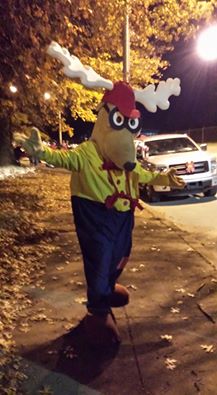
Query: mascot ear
x=98, y=108
x=143, y=113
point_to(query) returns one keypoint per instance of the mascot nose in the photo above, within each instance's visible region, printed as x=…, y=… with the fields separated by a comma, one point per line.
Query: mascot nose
x=129, y=166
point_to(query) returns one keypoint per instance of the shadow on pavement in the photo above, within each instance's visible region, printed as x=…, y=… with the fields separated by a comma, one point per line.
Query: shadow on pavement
x=87, y=362
x=71, y=355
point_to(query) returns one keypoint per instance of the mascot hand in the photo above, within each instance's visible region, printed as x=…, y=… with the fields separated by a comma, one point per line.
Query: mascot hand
x=168, y=179
x=32, y=145
x=175, y=181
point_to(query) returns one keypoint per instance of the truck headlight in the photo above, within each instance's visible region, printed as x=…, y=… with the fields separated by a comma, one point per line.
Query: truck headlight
x=213, y=166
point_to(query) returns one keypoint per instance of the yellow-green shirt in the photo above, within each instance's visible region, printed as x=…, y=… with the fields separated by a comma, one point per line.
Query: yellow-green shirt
x=90, y=181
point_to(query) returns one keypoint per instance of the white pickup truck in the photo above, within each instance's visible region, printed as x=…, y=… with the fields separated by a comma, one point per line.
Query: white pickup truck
x=197, y=167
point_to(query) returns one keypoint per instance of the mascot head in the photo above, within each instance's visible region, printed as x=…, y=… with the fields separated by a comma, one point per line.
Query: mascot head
x=117, y=124
x=119, y=121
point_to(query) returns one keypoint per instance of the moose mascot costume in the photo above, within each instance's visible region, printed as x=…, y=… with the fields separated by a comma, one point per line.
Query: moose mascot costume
x=105, y=177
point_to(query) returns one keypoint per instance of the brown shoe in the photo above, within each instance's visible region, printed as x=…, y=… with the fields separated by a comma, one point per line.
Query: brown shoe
x=120, y=296
x=101, y=330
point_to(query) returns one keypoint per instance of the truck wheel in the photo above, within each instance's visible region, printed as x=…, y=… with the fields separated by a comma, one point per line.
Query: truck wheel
x=210, y=192
x=150, y=195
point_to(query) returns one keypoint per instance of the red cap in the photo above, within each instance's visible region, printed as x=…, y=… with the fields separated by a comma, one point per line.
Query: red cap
x=122, y=96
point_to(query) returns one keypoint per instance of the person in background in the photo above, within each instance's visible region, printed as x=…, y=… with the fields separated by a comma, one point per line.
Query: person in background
x=53, y=145
x=18, y=154
x=34, y=159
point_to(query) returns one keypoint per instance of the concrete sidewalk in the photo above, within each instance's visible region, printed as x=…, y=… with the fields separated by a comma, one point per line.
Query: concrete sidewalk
x=169, y=333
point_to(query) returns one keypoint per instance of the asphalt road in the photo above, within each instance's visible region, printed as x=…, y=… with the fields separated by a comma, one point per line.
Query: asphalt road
x=196, y=214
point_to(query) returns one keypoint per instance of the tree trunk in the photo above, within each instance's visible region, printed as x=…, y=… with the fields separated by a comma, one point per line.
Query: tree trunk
x=6, y=149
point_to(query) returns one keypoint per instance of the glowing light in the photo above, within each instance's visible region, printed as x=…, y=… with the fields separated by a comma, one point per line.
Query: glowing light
x=47, y=95
x=207, y=44
x=13, y=88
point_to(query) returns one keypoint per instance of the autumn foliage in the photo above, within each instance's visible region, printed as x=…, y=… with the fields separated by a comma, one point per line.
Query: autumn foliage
x=92, y=30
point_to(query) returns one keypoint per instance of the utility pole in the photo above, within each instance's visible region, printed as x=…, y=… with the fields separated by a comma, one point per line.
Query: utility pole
x=60, y=128
x=126, y=44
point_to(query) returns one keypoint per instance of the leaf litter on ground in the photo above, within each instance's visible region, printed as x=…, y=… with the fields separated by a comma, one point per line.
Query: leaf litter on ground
x=26, y=204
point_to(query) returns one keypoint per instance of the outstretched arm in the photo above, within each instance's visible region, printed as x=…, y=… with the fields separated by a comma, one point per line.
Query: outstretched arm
x=168, y=178
x=70, y=160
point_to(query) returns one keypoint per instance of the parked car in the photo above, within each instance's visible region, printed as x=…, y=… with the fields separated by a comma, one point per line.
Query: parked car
x=197, y=167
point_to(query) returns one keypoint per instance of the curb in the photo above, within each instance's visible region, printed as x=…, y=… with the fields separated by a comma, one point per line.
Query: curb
x=188, y=238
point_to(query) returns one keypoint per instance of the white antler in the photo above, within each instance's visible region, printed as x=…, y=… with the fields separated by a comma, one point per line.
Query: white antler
x=73, y=68
x=151, y=98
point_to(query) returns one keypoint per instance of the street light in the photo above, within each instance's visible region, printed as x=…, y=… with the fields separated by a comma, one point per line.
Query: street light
x=47, y=96
x=207, y=43
x=13, y=88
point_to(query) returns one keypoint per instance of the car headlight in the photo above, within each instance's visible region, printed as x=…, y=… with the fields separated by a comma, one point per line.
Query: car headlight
x=213, y=166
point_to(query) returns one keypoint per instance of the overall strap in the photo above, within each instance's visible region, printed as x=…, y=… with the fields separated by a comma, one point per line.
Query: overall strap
x=111, y=199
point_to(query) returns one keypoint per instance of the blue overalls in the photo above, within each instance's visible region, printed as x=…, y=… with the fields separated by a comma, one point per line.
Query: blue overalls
x=105, y=237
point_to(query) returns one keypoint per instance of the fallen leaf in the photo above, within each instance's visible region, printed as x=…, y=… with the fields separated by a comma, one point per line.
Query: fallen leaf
x=81, y=300
x=79, y=283
x=170, y=363
x=23, y=329
x=207, y=348
x=180, y=290
x=69, y=326
x=155, y=248
x=166, y=337
x=131, y=286
x=60, y=268
x=38, y=317
x=76, y=258
x=50, y=321
x=175, y=310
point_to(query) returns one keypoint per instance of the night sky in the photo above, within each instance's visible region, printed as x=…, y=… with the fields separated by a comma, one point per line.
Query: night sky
x=196, y=106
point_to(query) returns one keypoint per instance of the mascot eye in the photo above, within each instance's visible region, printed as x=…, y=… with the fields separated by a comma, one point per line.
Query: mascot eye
x=134, y=125
x=118, y=119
